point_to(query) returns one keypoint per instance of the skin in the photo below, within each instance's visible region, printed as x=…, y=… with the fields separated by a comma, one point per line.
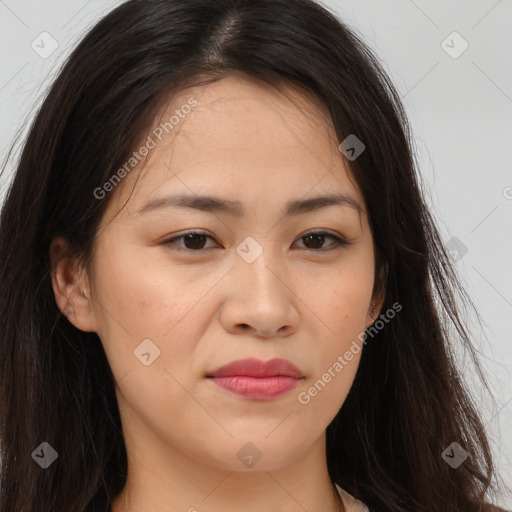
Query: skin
x=242, y=141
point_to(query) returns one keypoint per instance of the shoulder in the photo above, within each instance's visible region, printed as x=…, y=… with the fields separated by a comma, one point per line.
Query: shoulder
x=351, y=504
x=487, y=507
x=354, y=505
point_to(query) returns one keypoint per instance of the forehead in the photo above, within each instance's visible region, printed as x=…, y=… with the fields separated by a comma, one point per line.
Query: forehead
x=238, y=138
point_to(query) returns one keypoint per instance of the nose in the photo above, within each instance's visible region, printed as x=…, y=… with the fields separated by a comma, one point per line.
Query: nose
x=260, y=299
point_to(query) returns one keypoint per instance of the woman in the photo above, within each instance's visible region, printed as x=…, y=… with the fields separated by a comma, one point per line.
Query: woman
x=220, y=285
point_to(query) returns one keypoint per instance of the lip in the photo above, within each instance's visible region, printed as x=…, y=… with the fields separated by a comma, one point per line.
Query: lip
x=256, y=368
x=256, y=379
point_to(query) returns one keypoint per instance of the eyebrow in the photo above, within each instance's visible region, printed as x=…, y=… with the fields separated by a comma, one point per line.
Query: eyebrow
x=234, y=208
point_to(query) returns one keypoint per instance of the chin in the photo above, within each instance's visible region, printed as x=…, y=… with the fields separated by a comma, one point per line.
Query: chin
x=257, y=455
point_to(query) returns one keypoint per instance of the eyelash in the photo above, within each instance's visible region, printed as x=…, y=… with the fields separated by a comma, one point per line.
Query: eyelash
x=339, y=242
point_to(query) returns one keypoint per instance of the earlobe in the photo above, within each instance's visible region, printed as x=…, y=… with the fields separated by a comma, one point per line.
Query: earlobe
x=375, y=306
x=378, y=295
x=70, y=288
x=374, y=310
x=373, y=313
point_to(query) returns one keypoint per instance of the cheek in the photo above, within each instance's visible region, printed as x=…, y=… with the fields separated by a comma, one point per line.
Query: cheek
x=341, y=314
x=137, y=302
x=341, y=304
x=143, y=295
x=150, y=335
x=335, y=357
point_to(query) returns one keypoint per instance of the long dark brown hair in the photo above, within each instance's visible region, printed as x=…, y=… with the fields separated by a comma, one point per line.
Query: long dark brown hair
x=408, y=402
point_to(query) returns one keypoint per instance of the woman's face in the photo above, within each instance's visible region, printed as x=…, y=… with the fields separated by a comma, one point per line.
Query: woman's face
x=254, y=286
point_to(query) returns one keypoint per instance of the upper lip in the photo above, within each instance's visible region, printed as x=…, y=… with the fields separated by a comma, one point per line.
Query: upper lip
x=256, y=368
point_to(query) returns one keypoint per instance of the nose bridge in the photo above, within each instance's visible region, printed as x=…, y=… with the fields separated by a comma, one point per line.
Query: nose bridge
x=261, y=273
x=262, y=301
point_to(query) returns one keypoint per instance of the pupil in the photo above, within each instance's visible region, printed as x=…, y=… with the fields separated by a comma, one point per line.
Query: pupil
x=193, y=237
x=319, y=237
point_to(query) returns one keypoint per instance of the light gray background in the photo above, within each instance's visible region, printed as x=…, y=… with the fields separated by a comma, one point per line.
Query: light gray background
x=460, y=110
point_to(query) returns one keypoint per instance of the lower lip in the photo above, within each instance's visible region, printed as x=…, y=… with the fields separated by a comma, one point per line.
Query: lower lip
x=257, y=388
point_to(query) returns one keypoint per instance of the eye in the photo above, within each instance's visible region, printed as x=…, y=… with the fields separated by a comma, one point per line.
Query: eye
x=318, y=237
x=194, y=241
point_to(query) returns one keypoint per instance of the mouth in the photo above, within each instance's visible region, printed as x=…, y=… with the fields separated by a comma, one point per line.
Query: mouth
x=256, y=379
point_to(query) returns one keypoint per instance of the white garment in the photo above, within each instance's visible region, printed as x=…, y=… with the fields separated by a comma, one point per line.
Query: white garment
x=351, y=504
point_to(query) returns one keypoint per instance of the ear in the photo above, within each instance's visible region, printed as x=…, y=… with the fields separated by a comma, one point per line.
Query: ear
x=71, y=287
x=378, y=296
